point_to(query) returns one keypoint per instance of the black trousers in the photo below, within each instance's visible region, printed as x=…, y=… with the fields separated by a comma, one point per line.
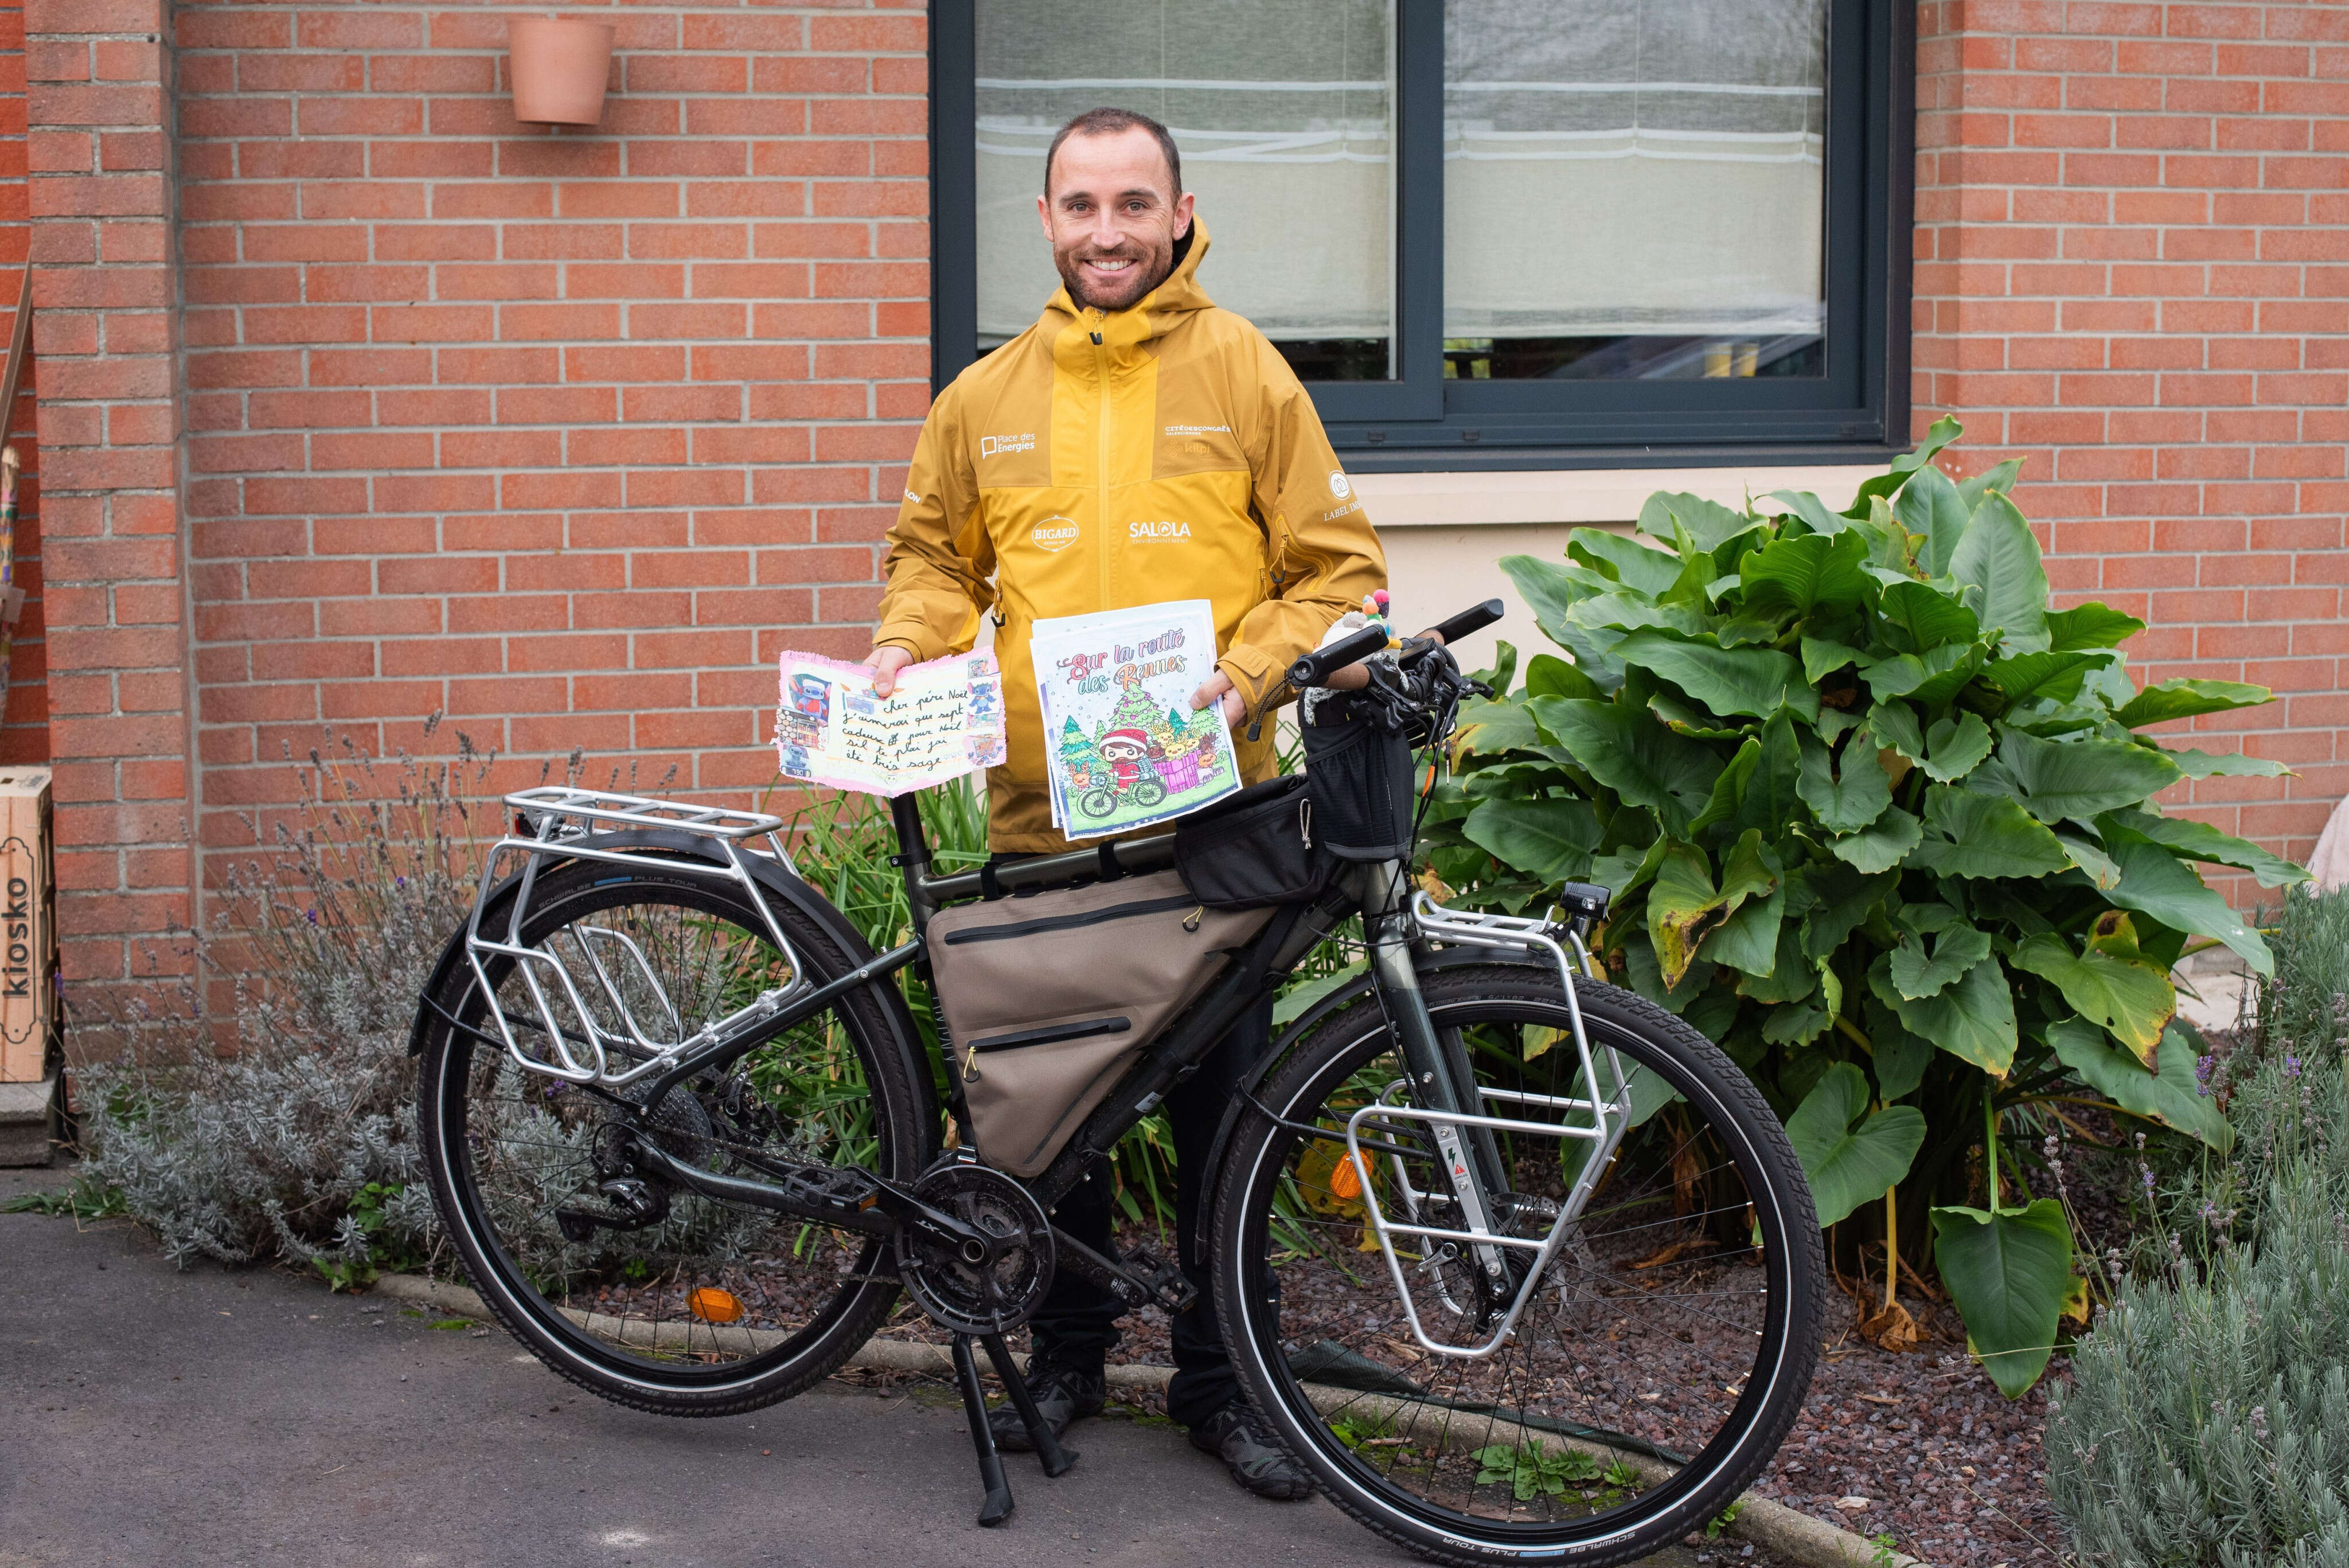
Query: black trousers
x=1077, y=1323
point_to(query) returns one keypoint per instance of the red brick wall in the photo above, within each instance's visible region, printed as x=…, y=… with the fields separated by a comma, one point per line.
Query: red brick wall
x=564, y=435
x=25, y=717
x=100, y=208
x=2133, y=270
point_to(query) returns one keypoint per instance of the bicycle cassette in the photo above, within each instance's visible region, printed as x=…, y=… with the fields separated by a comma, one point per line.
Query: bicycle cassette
x=967, y=1288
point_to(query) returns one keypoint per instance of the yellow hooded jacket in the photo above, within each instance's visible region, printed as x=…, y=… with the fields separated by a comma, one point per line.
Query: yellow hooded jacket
x=1101, y=461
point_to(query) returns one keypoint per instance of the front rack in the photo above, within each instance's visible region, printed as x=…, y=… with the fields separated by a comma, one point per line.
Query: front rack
x=637, y=1031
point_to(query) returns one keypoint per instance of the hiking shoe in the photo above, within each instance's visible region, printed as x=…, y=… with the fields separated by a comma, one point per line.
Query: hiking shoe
x=1236, y=1435
x=1063, y=1394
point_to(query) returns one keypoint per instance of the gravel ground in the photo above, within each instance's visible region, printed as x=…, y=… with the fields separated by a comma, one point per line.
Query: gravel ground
x=1947, y=1466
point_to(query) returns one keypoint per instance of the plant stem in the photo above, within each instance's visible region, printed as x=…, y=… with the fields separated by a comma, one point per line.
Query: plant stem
x=1990, y=1143
x=1891, y=1244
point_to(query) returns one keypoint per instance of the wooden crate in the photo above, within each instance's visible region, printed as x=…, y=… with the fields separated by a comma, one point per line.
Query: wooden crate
x=29, y=932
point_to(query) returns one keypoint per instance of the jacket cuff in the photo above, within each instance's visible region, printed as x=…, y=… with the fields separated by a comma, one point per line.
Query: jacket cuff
x=1255, y=675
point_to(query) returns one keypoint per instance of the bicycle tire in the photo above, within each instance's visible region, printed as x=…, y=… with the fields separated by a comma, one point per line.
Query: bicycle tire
x=452, y=1065
x=1661, y=1507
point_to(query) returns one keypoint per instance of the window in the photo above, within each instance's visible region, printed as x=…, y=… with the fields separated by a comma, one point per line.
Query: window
x=1486, y=232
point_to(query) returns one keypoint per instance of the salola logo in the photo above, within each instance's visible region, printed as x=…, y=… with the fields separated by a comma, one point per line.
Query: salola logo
x=1053, y=535
x=996, y=446
x=1153, y=532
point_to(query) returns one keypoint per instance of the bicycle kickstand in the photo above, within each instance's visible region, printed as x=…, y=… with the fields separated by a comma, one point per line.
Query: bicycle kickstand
x=1056, y=1458
x=998, y=1506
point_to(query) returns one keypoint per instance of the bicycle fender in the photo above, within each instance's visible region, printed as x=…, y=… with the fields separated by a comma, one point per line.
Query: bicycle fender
x=1345, y=996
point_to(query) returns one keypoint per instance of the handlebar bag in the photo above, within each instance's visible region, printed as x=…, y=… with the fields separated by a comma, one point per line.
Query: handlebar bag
x=1049, y=997
x=1360, y=778
x=1255, y=848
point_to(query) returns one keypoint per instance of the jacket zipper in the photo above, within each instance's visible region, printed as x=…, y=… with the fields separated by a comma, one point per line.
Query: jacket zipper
x=1100, y=366
x=1069, y=922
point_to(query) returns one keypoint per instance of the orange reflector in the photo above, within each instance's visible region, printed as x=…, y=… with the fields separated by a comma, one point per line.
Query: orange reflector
x=712, y=1305
x=1346, y=1178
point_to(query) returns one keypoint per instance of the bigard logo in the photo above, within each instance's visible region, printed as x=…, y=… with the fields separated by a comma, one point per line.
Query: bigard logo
x=1053, y=535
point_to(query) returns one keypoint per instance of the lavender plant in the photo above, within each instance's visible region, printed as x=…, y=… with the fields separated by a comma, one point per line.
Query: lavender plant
x=260, y=1107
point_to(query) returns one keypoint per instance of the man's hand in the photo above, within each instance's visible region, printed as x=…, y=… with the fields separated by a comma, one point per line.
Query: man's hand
x=885, y=662
x=1219, y=684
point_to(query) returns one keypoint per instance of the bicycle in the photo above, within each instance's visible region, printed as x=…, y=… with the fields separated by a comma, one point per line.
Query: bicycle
x=1513, y=1261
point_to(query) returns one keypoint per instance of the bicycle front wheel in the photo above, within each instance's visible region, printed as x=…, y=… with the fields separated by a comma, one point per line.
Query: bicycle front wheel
x=705, y=1308
x=1661, y=1345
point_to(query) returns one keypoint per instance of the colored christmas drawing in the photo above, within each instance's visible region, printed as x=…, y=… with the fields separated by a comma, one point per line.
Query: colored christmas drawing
x=1128, y=748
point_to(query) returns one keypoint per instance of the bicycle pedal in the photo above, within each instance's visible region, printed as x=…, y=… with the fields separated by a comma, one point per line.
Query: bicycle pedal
x=1168, y=1287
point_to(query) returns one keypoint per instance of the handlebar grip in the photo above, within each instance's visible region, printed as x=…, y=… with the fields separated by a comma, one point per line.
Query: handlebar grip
x=1318, y=666
x=1468, y=621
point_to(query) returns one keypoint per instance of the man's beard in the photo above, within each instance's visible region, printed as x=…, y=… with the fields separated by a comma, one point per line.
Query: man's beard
x=1147, y=271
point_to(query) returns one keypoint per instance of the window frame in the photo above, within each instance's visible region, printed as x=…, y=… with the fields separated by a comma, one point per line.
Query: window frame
x=1419, y=422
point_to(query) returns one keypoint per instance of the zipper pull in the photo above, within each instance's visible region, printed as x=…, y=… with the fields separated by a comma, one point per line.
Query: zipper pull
x=1305, y=821
x=1097, y=343
x=1191, y=921
x=970, y=1065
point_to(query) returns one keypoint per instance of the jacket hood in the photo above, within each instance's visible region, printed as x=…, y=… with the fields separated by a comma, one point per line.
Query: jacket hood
x=1155, y=312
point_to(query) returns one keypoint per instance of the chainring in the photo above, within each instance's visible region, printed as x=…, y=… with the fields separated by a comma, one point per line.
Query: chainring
x=979, y=1297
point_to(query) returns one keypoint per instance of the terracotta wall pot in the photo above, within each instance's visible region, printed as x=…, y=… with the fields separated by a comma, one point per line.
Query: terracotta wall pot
x=559, y=69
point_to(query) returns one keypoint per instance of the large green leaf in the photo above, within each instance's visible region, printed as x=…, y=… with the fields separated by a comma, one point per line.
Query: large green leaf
x=1755, y=680
x=1847, y=802
x=2169, y=1094
x=1607, y=617
x=1842, y=897
x=1772, y=794
x=2000, y=478
x=1972, y=1020
x=1934, y=676
x=1999, y=556
x=1822, y=657
x=1547, y=838
x=1629, y=562
x=2135, y=1001
x=2079, y=779
x=1942, y=432
x=1981, y=835
x=1930, y=507
x=1794, y=575
x=1488, y=728
x=1882, y=844
x=2155, y=882
x=1551, y=589
x=2200, y=841
x=1917, y=975
x=1918, y=618
x=1894, y=724
x=1684, y=906
x=1709, y=523
x=1958, y=743
x=1748, y=941
x=2040, y=676
x=1852, y=1158
x=2206, y=764
x=1811, y=510
x=2010, y=1275
x=1547, y=675
x=2168, y=699
x=2091, y=624
x=1632, y=754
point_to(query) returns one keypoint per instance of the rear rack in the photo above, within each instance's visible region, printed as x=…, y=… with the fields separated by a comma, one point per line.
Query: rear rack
x=637, y=1031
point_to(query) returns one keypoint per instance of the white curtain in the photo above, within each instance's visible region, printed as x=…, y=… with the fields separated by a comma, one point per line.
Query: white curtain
x=1283, y=112
x=1633, y=167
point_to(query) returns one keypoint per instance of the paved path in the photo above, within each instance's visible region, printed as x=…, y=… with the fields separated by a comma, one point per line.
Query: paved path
x=151, y=1417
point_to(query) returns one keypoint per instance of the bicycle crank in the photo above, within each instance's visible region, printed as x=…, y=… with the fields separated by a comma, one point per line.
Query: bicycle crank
x=991, y=1277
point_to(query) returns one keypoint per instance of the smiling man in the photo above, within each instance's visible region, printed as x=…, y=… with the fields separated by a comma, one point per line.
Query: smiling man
x=1136, y=445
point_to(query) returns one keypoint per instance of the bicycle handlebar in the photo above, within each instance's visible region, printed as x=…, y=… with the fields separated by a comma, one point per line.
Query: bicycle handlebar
x=1318, y=665
x=1316, y=668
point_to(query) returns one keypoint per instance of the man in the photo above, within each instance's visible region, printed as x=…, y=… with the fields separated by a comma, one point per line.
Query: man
x=1135, y=445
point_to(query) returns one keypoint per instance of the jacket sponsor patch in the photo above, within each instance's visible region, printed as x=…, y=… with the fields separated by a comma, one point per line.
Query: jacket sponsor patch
x=1340, y=486
x=1053, y=535
x=1162, y=529
x=914, y=498
x=996, y=446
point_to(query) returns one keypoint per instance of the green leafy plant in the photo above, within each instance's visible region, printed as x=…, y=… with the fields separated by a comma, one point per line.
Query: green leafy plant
x=1721, y=1521
x=1882, y=821
x=1532, y=1469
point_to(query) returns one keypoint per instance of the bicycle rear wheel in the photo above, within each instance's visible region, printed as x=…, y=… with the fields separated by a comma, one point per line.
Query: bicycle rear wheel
x=715, y=1307
x=1660, y=1355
